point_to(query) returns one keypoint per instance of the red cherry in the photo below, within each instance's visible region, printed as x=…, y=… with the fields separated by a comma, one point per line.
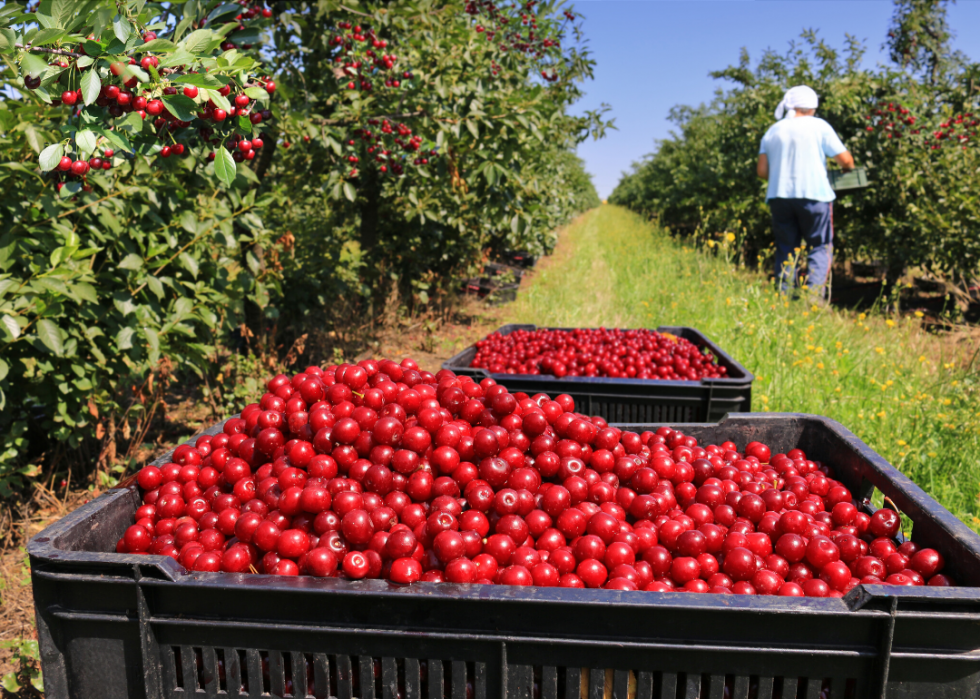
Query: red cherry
x=885, y=523
x=405, y=570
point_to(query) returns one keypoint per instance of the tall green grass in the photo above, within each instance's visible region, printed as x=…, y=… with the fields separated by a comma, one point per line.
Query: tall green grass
x=911, y=395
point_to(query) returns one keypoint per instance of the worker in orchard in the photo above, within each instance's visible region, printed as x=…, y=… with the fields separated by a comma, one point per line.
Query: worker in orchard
x=793, y=158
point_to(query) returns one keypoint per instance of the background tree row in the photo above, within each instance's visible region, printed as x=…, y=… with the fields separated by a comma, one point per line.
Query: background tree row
x=181, y=177
x=913, y=124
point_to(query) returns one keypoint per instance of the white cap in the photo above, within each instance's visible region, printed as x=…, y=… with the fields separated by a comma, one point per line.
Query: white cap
x=799, y=97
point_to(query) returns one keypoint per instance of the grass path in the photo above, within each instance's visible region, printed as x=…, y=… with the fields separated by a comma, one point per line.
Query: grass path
x=912, y=396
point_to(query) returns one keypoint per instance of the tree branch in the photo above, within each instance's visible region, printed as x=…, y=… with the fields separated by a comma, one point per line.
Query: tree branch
x=57, y=52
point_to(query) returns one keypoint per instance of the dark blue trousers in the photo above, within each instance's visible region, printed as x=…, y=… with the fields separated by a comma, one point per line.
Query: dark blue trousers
x=799, y=221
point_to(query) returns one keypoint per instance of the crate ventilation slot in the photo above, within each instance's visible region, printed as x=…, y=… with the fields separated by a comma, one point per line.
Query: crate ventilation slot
x=239, y=673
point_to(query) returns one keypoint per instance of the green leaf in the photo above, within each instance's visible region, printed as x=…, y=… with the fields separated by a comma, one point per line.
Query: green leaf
x=9, y=682
x=220, y=101
x=229, y=8
x=11, y=325
x=179, y=57
x=244, y=125
x=253, y=263
x=50, y=334
x=133, y=123
x=155, y=286
x=188, y=221
x=257, y=93
x=249, y=35
x=197, y=40
x=7, y=40
x=86, y=142
x=153, y=340
x=115, y=137
x=37, y=680
x=51, y=156
x=86, y=292
x=48, y=36
x=197, y=80
x=183, y=26
x=138, y=73
x=181, y=106
x=189, y=263
x=124, y=339
x=159, y=45
x=349, y=191
x=33, y=65
x=93, y=48
x=224, y=166
x=183, y=307
x=4, y=369
x=62, y=10
x=10, y=9
x=123, y=303
x=473, y=128
x=131, y=261
x=91, y=84
x=121, y=28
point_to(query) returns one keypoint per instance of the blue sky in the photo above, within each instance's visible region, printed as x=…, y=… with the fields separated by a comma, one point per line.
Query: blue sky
x=653, y=54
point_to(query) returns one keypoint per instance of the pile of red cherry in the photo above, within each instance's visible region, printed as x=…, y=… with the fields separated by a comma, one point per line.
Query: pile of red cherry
x=380, y=470
x=640, y=354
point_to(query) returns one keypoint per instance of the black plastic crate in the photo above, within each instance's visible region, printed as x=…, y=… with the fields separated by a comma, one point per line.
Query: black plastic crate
x=495, y=271
x=118, y=625
x=476, y=287
x=519, y=258
x=491, y=290
x=633, y=400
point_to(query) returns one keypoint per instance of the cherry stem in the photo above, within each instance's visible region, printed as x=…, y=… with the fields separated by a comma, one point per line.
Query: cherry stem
x=57, y=52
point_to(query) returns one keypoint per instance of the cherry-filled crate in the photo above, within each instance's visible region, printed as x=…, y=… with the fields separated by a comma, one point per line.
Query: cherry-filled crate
x=118, y=625
x=633, y=400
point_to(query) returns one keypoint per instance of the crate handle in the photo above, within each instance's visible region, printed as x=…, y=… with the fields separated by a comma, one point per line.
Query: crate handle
x=885, y=649
x=149, y=648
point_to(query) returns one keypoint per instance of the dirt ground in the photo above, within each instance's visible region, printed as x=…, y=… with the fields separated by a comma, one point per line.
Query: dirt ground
x=427, y=341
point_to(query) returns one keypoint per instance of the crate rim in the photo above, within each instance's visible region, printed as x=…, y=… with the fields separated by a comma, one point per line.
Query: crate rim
x=747, y=378
x=162, y=570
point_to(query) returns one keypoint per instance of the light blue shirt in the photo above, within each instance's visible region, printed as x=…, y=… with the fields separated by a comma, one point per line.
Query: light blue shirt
x=797, y=149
